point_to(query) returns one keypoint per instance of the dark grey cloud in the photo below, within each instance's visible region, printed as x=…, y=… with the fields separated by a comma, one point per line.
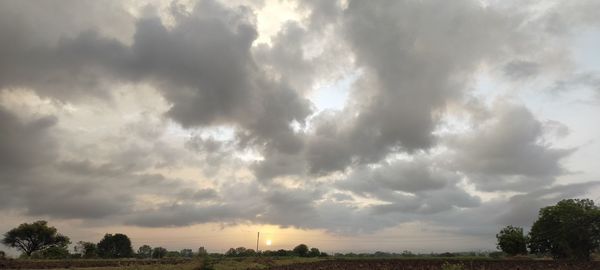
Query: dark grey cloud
x=186, y=214
x=518, y=210
x=203, y=66
x=520, y=69
x=576, y=81
x=415, y=61
x=507, y=152
x=409, y=187
x=405, y=176
x=24, y=144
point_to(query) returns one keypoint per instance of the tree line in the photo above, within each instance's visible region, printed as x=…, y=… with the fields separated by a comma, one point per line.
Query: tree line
x=38, y=240
x=568, y=230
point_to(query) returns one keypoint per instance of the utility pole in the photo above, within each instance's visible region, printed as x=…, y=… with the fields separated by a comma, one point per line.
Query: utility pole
x=257, y=239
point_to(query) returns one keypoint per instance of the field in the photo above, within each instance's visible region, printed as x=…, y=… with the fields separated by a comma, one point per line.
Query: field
x=91, y=264
x=302, y=264
x=438, y=264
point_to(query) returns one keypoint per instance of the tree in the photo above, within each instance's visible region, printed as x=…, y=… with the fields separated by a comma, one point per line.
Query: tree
x=115, y=246
x=202, y=252
x=231, y=252
x=36, y=236
x=314, y=252
x=281, y=252
x=159, y=252
x=2, y=255
x=568, y=230
x=87, y=249
x=186, y=252
x=301, y=250
x=145, y=251
x=512, y=241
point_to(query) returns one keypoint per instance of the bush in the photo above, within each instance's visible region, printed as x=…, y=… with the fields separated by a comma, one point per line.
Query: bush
x=159, y=252
x=496, y=254
x=450, y=266
x=55, y=253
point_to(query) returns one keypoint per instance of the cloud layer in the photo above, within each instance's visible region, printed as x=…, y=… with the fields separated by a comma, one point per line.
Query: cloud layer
x=174, y=115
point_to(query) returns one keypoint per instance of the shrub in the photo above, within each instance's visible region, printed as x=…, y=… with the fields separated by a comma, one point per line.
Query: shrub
x=450, y=266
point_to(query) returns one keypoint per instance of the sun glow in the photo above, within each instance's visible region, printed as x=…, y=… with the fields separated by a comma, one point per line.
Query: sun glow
x=269, y=242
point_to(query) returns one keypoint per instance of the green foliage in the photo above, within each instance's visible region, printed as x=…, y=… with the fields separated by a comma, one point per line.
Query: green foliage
x=202, y=252
x=115, y=246
x=54, y=252
x=512, y=241
x=568, y=230
x=314, y=252
x=301, y=250
x=451, y=266
x=33, y=237
x=496, y=254
x=159, y=252
x=240, y=252
x=87, y=250
x=186, y=253
x=173, y=254
x=145, y=251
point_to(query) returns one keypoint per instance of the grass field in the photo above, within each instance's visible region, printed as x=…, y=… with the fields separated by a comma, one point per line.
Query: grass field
x=296, y=263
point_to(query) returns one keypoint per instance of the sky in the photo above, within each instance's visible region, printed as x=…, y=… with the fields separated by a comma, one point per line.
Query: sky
x=345, y=125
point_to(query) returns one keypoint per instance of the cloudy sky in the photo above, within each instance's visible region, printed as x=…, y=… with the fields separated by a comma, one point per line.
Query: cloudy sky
x=346, y=125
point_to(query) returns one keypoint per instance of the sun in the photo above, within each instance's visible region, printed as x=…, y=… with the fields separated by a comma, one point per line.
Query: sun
x=269, y=242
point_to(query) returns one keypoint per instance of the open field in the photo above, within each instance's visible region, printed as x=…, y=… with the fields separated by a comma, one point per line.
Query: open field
x=423, y=264
x=90, y=264
x=303, y=264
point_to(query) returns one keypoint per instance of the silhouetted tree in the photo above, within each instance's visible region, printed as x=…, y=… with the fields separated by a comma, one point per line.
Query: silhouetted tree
x=87, y=249
x=301, y=250
x=314, y=252
x=202, y=252
x=512, y=241
x=36, y=236
x=568, y=230
x=115, y=246
x=2, y=255
x=145, y=251
x=159, y=252
x=231, y=252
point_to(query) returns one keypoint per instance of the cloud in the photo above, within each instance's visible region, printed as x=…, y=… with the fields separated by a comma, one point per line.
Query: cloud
x=414, y=62
x=203, y=66
x=507, y=152
x=25, y=145
x=128, y=137
x=409, y=187
x=520, y=69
